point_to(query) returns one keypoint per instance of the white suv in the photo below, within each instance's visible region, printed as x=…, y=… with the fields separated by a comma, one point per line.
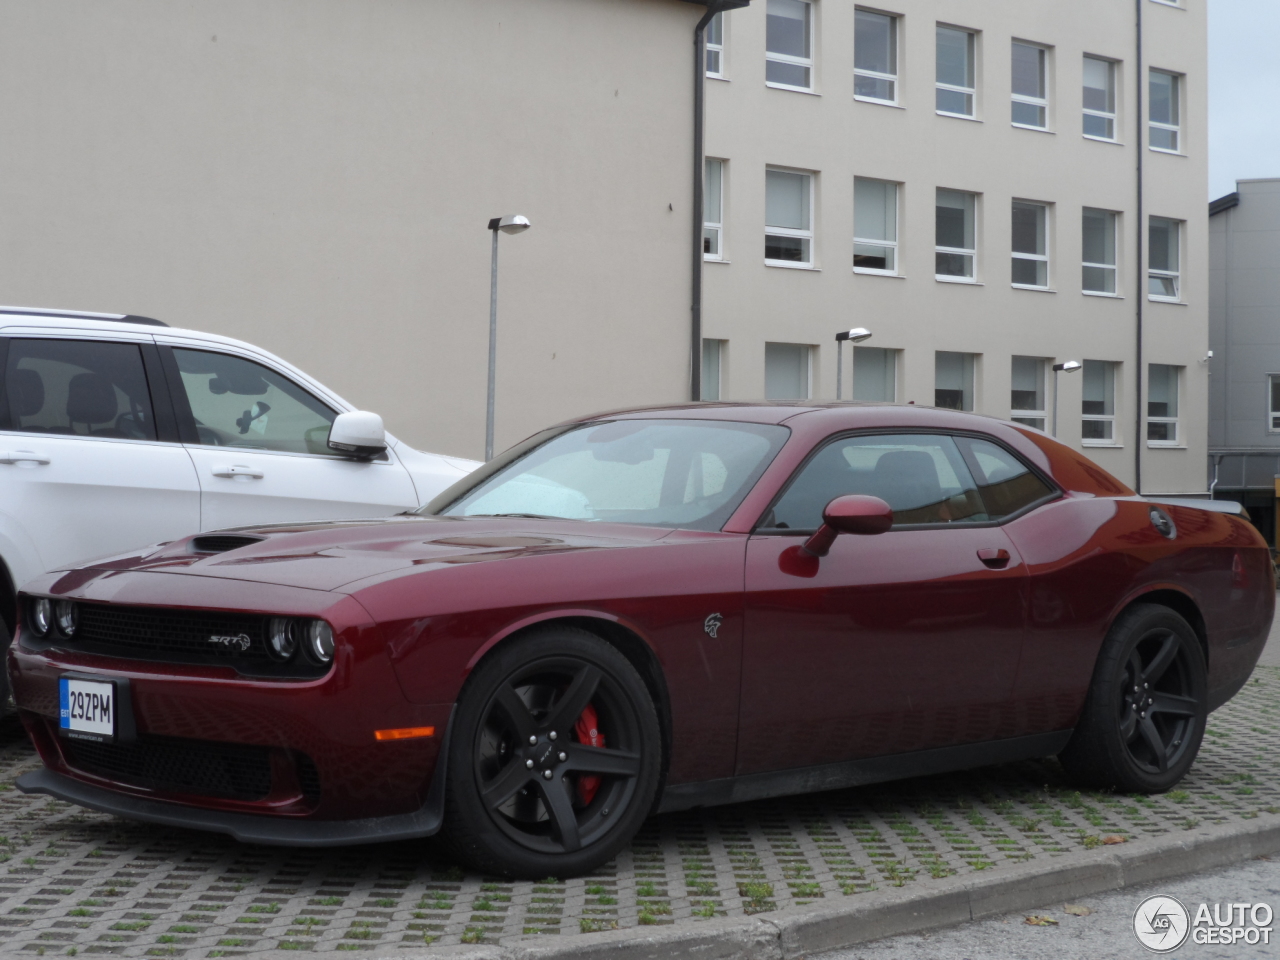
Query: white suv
x=117, y=432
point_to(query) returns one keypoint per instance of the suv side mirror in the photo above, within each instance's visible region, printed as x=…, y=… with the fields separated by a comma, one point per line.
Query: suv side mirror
x=359, y=434
x=851, y=514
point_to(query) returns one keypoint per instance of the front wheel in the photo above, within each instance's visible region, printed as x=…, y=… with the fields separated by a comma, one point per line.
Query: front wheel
x=1145, y=713
x=555, y=758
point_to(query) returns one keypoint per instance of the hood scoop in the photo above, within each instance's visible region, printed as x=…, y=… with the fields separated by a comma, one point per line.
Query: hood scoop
x=222, y=542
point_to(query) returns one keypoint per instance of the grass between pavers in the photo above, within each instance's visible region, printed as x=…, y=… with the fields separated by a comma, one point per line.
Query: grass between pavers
x=73, y=880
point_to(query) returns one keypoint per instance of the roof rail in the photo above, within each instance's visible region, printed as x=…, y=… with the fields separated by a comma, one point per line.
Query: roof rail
x=83, y=315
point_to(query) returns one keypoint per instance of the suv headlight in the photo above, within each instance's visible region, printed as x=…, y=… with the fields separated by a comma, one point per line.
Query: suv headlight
x=66, y=618
x=41, y=616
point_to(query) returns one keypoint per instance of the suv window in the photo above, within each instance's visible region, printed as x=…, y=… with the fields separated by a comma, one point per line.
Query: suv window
x=1006, y=484
x=239, y=403
x=923, y=478
x=82, y=388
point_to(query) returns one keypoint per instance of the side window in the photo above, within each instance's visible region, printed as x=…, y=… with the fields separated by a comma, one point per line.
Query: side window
x=1005, y=482
x=239, y=403
x=80, y=388
x=923, y=478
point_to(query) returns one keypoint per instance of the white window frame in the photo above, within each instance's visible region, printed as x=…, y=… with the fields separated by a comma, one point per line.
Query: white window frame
x=1113, y=267
x=1018, y=415
x=1037, y=257
x=891, y=244
x=1176, y=439
x=1114, y=439
x=973, y=68
x=788, y=58
x=1041, y=102
x=971, y=254
x=1174, y=128
x=969, y=372
x=716, y=48
x=874, y=74
x=713, y=362
x=809, y=351
x=790, y=231
x=1112, y=116
x=1174, y=275
x=712, y=226
x=892, y=357
x=1273, y=418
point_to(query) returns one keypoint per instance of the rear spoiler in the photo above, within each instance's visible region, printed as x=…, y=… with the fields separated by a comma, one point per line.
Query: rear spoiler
x=1213, y=506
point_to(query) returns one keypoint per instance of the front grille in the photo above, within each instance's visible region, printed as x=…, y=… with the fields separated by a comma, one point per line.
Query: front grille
x=308, y=776
x=221, y=542
x=201, y=767
x=185, y=636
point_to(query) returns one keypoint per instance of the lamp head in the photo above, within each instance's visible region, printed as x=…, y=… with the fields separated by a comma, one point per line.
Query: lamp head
x=513, y=223
x=856, y=335
x=1069, y=366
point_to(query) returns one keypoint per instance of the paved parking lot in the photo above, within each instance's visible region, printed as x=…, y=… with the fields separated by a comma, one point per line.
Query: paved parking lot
x=73, y=881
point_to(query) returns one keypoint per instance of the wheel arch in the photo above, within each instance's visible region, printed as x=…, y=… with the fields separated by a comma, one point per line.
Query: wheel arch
x=1177, y=601
x=622, y=637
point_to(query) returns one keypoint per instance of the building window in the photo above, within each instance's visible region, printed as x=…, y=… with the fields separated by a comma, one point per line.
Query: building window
x=713, y=211
x=788, y=44
x=956, y=251
x=875, y=374
x=1026, y=396
x=788, y=371
x=955, y=72
x=1030, y=93
x=1099, y=98
x=875, y=57
x=1098, y=251
x=1162, y=404
x=713, y=352
x=1030, y=245
x=953, y=380
x=788, y=217
x=1163, y=260
x=1098, y=403
x=1164, y=110
x=715, y=46
x=875, y=226
x=1275, y=403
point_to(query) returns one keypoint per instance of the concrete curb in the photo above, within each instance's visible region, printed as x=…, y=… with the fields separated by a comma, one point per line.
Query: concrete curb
x=800, y=931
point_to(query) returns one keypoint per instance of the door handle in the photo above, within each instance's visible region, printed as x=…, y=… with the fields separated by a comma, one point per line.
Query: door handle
x=997, y=558
x=237, y=471
x=23, y=456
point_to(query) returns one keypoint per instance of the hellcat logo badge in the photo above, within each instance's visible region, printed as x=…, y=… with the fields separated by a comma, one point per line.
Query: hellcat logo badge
x=240, y=641
x=712, y=624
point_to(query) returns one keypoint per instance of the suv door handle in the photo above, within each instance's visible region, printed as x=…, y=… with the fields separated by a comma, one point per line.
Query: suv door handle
x=236, y=471
x=997, y=558
x=24, y=456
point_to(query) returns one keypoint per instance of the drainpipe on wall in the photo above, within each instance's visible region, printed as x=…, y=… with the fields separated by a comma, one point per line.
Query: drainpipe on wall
x=1141, y=143
x=699, y=171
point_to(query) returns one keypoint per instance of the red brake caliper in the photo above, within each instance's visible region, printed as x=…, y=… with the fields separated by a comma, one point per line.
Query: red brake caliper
x=587, y=730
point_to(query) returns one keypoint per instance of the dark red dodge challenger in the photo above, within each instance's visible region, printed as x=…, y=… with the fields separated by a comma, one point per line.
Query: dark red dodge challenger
x=648, y=611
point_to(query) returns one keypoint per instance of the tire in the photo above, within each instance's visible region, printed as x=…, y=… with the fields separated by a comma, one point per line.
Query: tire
x=503, y=814
x=1144, y=716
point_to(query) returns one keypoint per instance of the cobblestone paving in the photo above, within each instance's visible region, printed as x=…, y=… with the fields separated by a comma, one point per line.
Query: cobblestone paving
x=76, y=882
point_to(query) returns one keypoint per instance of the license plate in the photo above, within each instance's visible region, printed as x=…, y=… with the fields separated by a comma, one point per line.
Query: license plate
x=87, y=708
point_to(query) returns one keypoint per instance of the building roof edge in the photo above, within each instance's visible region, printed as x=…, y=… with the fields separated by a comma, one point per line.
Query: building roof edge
x=1224, y=203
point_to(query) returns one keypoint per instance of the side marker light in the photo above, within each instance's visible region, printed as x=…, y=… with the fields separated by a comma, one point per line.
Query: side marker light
x=404, y=733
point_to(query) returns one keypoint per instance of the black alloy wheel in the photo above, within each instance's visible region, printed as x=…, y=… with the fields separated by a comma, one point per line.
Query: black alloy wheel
x=528, y=793
x=1144, y=716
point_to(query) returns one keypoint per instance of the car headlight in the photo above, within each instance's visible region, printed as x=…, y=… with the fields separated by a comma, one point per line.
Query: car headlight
x=41, y=616
x=66, y=618
x=320, y=641
x=282, y=643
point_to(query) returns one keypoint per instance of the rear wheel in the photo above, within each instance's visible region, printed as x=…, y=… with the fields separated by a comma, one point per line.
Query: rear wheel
x=554, y=760
x=1144, y=717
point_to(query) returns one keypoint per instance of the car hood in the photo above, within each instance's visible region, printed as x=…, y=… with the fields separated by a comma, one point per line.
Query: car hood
x=335, y=554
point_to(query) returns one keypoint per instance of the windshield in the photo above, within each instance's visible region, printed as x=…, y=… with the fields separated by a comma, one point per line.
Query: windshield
x=690, y=474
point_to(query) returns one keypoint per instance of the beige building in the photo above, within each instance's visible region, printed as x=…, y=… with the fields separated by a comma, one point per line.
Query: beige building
x=316, y=176
x=961, y=177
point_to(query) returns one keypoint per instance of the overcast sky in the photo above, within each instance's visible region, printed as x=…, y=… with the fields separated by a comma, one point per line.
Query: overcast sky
x=1244, y=92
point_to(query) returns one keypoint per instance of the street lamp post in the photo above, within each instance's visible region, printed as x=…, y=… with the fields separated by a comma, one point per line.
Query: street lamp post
x=856, y=335
x=1068, y=366
x=508, y=224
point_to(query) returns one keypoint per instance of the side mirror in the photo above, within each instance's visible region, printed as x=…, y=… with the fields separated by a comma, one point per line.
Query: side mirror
x=852, y=514
x=358, y=433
